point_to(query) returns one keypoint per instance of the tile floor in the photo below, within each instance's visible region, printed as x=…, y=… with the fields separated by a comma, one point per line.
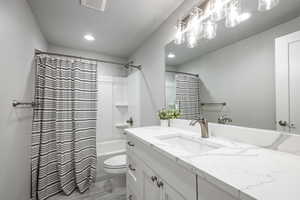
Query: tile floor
x=102, y=190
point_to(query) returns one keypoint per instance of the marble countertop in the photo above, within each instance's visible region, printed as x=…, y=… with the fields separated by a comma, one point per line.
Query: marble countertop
x=245, y=171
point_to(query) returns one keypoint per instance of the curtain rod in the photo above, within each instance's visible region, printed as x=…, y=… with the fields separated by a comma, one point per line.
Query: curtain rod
x=126, y=65
x=196, y=75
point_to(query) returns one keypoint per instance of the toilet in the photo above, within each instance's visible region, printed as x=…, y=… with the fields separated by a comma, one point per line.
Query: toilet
x=117, y=165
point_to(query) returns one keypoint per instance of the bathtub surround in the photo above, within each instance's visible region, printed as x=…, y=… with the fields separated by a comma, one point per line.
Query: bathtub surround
x=20, y=35
x=64, y=126
x=112, y=107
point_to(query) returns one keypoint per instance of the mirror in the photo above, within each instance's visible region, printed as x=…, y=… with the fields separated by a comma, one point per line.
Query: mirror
x=238, y=78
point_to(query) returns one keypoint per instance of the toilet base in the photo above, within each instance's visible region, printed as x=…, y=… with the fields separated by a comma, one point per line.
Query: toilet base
x=117, y=183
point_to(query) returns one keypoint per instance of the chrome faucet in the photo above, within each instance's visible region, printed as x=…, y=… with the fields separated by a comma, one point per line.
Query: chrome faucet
x=204, y=126
x=224, y=119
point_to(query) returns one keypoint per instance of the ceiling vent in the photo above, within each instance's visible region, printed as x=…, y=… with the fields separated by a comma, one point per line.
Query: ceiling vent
x=99, y=5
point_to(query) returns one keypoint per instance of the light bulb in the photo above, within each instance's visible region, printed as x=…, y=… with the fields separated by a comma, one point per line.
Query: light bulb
x=210, y=30
x=195, y=24
x=217, y=9
x=265, y=5
x=245, y=16
x=233, y=14
x=179, y=36
x=192, y=40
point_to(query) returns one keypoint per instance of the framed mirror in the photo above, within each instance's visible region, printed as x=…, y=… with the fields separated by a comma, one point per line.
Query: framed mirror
x=247, y=75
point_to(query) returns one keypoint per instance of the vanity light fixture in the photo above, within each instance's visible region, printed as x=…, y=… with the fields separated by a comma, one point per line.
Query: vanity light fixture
x=233, y=12
x=171, y=55
x=245, y=16
x=89, y=37
x=202, y=22
x=217, y=9
x=265, y=5
x=179, y=37
x=210, y=30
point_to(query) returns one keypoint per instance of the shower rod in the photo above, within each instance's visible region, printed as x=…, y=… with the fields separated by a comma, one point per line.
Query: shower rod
x=185, y=73
x=126, y=65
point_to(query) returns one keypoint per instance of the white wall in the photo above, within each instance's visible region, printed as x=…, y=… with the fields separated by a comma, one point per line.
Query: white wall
x=242, y=75
x=151, y=56
x=19, y=36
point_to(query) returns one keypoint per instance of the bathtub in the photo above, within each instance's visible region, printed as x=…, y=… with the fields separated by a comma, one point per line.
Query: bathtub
x=111, y=147
x=106, y=150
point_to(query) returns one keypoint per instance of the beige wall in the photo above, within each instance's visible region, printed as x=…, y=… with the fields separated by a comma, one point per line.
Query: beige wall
x=19, y=36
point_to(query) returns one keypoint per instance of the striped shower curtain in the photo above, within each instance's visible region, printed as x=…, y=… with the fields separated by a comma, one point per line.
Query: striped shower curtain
x=64, y=127
x=188, y=96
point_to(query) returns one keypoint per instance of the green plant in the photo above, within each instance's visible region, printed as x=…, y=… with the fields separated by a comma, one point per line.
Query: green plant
x=175, y=114
x=163, y=114
x=168, y=114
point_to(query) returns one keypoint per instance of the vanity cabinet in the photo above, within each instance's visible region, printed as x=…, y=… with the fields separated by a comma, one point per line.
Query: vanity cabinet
x=155, y=188
x=152, y=176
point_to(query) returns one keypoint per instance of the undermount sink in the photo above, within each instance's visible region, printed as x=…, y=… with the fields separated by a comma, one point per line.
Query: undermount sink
x=187, y=144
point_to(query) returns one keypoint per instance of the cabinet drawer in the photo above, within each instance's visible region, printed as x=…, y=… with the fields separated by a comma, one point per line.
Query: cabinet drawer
x=133, y=174
x=131, y=193
x=181, y=179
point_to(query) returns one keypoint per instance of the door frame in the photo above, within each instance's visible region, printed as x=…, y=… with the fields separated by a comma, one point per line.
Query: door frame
x=282, y=77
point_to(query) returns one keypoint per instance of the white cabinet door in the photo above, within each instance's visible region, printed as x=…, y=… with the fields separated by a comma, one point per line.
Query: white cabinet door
x=170, y=193
x=150, y=189
x=287, y=73
x=131, y=194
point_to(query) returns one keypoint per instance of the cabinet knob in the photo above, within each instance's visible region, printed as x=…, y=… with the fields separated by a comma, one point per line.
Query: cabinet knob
x=131, y=168
x=160, y=184
x=130, y=197
x=153, y=178
x=130, y=144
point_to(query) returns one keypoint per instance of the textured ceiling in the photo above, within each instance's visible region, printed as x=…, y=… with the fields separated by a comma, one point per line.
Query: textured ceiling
x=119, y=31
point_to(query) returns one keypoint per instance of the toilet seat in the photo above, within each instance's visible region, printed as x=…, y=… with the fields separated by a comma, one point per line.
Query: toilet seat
x=116, y=164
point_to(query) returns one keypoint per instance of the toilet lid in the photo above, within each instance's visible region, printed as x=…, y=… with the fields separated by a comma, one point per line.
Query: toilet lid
x=116, y=162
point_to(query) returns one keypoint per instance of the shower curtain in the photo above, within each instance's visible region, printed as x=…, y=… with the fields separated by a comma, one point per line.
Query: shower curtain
x=188, y=96
x=64, y=127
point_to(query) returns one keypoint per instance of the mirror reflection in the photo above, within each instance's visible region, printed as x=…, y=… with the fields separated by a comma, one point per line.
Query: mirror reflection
x=245, y=76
